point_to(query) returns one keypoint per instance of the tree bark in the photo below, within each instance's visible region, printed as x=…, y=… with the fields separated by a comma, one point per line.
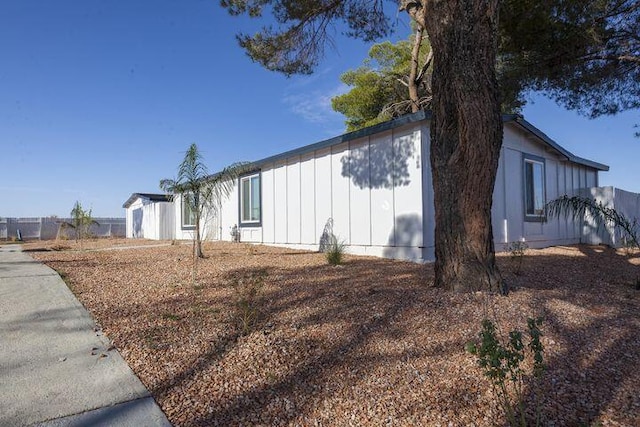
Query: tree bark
x=466, y=136
x=414, y=97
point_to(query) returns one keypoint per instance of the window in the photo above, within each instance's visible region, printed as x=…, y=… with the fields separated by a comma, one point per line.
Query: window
x=188, y=212
x=250, y=200
x=534, y=191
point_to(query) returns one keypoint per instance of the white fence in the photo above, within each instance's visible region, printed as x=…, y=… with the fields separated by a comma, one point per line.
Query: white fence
x=624, y=202
x=48, y=228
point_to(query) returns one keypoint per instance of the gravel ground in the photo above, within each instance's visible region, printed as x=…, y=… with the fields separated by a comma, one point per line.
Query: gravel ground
x=269, y=336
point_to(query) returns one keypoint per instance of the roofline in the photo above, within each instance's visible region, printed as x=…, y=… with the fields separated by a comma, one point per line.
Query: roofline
x=350, y=136
x=413, y=118
x=518, y=119
x=135, y=196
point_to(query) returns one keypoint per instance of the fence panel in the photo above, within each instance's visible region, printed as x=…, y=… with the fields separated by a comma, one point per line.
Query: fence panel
x=624, y=202
x=48, y=228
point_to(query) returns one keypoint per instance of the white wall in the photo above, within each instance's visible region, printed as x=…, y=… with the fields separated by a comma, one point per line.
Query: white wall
x=279, y=207
x=130, y=232
x=150, y=220
x=308, y=210
x=374, y=190
x=180, y=232
x=369, y=189
x=624, y=202
x=215, y=224
x=322, y=192
x=166, y=225
x=561, y=177
x=293, y=206
x=225, y=217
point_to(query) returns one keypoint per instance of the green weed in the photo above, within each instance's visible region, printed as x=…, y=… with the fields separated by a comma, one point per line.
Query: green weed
x=335, y=251
x=247, y=301
x=501, y=363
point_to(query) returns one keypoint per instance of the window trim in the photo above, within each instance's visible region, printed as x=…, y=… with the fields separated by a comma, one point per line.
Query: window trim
x=184, y=226
x=533, y=159
x=242, y=178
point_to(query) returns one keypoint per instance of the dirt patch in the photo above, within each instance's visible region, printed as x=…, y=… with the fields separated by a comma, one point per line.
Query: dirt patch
x=367, y=343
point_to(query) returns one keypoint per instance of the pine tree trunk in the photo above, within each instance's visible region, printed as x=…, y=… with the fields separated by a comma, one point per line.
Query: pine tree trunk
x=413, y=71
x=466, y=136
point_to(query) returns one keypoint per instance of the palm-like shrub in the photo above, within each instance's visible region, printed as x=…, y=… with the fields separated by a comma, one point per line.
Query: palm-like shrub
x=578, y=208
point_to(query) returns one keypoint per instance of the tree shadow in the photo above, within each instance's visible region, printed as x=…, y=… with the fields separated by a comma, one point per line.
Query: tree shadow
x=592, y=339
x=324, y=331
x=386, y=167
x=326, y=236
x=332, y=302
x=342, y=299
x=405, y=240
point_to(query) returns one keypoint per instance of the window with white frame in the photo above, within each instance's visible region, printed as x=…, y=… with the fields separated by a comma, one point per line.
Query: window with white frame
x=534, y=188
x=250, y=199
x=188, y=211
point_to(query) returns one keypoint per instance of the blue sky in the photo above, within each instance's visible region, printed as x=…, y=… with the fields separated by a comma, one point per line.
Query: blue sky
x=100, y=99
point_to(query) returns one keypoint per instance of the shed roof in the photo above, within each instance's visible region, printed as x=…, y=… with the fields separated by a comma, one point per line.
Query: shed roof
x=153, y=197
x=426, y=115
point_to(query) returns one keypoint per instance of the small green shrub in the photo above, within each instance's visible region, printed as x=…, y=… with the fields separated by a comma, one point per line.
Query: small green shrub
x=517, y=250
x=580, y=208
x=501, y=363
x=81, y=222
x=247, y=294
x=335, y=251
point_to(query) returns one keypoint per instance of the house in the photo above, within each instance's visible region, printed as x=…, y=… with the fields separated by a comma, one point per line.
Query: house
x=372, y=189
x=150, y=216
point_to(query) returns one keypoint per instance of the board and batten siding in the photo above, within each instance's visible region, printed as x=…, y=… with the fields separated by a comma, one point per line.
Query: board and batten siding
x=561, y=177
x=375, y=193
x=150, y=220
x=181, y=233
x=214, y=225
x=134, y=225
x=368, y=191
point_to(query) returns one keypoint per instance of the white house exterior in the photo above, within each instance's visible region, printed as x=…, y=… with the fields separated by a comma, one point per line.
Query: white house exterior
x=372, y=189
x=150, y=216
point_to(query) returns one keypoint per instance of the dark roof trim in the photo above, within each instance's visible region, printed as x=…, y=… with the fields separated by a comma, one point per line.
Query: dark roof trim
x=149, y=196
x=416, y=117
x=518, y=119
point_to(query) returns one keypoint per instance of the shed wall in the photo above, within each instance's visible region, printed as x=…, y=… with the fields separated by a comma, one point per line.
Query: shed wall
x=150, y=220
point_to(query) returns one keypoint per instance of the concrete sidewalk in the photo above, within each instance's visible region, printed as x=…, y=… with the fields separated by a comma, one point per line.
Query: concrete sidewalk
x=56, y=368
